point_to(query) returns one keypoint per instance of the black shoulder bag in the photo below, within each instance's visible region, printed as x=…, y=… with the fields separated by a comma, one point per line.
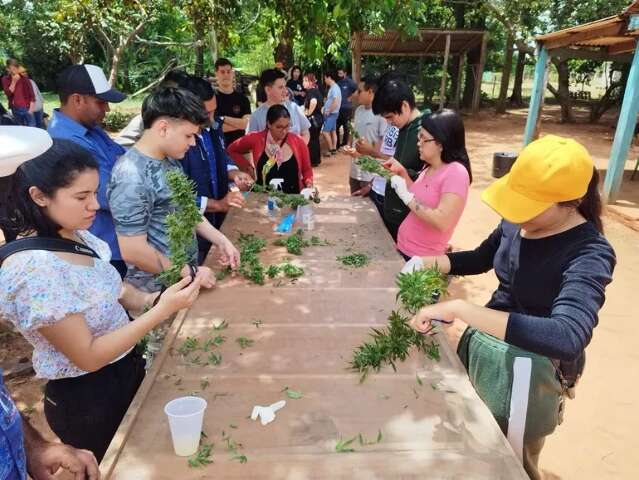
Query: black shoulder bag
x=49, y=244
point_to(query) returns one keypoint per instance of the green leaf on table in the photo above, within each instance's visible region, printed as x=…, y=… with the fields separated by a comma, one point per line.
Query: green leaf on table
x=343, y=446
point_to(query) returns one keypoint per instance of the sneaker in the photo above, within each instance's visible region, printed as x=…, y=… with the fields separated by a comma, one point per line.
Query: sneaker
x=333, y=152
x=327, y=153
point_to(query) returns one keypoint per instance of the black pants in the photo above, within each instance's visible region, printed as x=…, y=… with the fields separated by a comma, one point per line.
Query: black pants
x=314, y=145
x=86, y=411
x=120, y=266
x=378, y=200
x=393, y=229
x=343, y=120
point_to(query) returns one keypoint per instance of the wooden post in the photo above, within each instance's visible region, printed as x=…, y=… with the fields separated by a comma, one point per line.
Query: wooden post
x=442, y=89
x=537, y=95
x=462, y=65
x=356, y=53
x=480, y=75
x=624, y=133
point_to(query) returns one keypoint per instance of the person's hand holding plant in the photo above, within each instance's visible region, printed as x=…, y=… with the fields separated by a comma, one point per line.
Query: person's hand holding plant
x=229, y=255
x=242, y=179
x=395, y=167
x=180, y=295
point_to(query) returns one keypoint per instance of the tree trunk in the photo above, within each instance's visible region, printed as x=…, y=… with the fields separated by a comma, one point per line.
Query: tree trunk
x=126, y=81
x=517, y=98
x=284, y=49
x=505, y=74
x=472, y=65
x=567, y=115
x=199, y=54
x=460, y=21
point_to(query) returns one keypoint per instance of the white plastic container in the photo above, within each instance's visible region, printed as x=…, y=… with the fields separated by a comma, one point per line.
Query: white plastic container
x=271, y=203
x=186, y=415
x=305, y=215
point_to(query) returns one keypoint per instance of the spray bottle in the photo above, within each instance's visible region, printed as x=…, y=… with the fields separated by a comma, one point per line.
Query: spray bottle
x=305, y=214
x=271, y=204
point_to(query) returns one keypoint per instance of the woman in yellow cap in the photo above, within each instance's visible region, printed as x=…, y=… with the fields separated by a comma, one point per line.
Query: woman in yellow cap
x=524, y=350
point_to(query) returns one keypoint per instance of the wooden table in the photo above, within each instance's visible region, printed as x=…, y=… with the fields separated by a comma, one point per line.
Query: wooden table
x=436, y=427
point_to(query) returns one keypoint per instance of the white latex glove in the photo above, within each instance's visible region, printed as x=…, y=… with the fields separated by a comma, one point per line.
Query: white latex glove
x=401, y=189
x=266, y=414
x=413, y=265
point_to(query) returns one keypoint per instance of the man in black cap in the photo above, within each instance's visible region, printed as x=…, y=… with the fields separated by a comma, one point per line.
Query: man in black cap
x=85, y=95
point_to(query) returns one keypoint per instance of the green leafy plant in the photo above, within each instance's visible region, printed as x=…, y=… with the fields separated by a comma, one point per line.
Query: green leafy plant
x=344, y=446
x=272, y=271
x=202, y=457
x=215, y=359
x=291, y=271
x=292, y=200
x=369, y=164
x=188, y=346
x=363, y=442
x=250, y=266
x=357, y=260
x=116, y=120
x=296, y=243
x=420, y=288
x=294, y=394
x=180, y=225
x=244, y=342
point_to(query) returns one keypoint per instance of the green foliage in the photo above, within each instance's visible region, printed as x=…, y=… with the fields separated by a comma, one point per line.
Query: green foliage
x=202, y=457
x=369, y=164
x=296, y=242
x=244, y=342
x=292, y=200
x=357, y=260
x=180, y=224
x=421, y=287
x=116, y=120
x=344, y=446
x=251, y=267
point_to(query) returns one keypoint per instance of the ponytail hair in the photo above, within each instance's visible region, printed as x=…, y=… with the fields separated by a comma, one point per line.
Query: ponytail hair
x=589, y=206
x=54, y=169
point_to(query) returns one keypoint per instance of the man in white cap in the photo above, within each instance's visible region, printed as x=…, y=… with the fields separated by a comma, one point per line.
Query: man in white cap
x=85, y=95
x=22, y=448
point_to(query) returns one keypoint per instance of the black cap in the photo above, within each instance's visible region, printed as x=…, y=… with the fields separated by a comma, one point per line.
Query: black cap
x=88, y=80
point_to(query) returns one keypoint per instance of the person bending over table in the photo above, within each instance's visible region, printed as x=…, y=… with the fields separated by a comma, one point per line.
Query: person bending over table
x=277, y=153
x=71, y=307
x=524, y=351
x=437, y=197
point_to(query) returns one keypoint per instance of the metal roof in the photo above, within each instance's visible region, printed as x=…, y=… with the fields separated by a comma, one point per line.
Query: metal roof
x=616, y=35
x=427, y=42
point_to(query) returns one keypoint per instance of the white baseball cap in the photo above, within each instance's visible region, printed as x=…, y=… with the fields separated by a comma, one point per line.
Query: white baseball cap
x=20, y=144
x=88, y=80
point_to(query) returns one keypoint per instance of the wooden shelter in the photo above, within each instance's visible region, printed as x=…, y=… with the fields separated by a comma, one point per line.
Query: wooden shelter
x=614, y=39
x=427, y=43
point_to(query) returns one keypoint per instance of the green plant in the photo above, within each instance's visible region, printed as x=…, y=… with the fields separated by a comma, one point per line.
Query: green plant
x=180, y=225
x=343, y=446
x=215, y=359
x=291, y=271
x=244, y=342
x=189, y=345
x=202, y=457
x=296, y=242
x=116, y=120
x=250, y=266
x=292, y=200
x=420, y=288
x=294, y=394
x=357, y=260
x=272, y=271
x=369, y=164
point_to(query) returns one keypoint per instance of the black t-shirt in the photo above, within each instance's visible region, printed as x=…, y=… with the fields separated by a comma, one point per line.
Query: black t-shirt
x=232, y=105
x=314, y=93
x=288, y=171
x=296, y=86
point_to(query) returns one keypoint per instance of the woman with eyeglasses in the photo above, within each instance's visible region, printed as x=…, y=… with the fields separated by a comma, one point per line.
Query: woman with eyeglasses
x=437, y=197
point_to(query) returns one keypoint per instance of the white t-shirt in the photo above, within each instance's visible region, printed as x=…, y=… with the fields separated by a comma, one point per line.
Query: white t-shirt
x=388, y=148
x=371, y=128
x=299, y=122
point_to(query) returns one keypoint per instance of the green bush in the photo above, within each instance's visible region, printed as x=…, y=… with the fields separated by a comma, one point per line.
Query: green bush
x=117, y=120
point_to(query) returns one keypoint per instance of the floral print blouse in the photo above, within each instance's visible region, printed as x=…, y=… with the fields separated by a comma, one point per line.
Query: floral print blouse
x=38, y=289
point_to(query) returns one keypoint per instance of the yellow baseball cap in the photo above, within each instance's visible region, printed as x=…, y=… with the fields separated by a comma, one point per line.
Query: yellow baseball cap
x=549, y=170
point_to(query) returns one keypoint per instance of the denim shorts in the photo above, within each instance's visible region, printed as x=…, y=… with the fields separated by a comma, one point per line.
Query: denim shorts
x=330, y=122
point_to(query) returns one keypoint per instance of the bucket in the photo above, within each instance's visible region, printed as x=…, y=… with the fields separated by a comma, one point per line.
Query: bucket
x=502, y=163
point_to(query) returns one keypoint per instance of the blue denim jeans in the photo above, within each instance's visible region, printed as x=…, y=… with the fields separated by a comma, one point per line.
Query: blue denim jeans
x=23, y=117
x=38, y=118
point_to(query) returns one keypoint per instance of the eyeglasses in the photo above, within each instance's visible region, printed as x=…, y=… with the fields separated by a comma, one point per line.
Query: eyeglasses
x=425, y=140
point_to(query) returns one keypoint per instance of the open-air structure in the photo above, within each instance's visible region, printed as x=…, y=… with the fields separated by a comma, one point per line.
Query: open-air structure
x=427, y=43
x=614, y=39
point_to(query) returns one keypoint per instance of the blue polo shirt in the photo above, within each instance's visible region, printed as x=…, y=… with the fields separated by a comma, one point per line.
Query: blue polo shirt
x=348, y=87
x=106, y=152
x=13, y=464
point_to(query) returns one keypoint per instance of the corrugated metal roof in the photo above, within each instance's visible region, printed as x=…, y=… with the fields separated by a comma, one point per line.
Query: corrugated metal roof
x=427, y=42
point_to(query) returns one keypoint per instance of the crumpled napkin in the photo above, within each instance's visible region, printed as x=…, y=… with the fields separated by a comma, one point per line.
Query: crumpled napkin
x=267, y=414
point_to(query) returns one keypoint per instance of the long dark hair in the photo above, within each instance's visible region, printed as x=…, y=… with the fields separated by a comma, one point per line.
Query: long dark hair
x=447, y=128
x=54, y=169
x=589, y=206
x=275, y=112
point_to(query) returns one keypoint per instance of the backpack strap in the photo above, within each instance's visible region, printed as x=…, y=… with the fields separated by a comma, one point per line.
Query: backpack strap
x=49, y=244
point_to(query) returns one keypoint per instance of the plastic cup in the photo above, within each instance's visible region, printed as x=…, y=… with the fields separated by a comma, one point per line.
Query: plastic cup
x=185, y=421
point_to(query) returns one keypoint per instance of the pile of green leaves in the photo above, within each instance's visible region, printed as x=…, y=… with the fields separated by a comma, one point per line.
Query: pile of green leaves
x=296, y=242
x=395, y=342
x=292, y=200
x=357, y=260
x=180, y=225
x=251, y=267
x=369, y=164
x=288, y=269
x=420, y=288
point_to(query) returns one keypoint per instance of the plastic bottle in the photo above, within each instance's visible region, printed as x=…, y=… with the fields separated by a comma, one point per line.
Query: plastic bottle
x=271, y=203
x=305, y=215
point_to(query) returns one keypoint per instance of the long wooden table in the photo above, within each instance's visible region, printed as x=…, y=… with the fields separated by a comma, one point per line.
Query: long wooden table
x=304, y=333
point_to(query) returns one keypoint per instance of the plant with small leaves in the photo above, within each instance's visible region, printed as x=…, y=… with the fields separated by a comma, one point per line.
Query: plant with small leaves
x=370, y=165
x=202, y=457
x=291, y=271
x=188, y=346
x=272, y=271
x=257, y=323
x=244, y=342
x=293, y=243
x=214, y=359
x=420, y=288
x=294, y=394
x=180, y=225
x=344, y=446
x=357, y=260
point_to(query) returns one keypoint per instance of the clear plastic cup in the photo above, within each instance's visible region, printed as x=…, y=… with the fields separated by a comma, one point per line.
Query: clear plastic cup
x=185, y=421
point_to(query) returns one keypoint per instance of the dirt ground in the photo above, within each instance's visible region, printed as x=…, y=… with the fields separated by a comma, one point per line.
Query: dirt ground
x=595, y=441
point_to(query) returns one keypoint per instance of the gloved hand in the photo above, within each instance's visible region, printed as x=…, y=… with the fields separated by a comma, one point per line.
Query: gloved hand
x=399, y=185
x=413, y=265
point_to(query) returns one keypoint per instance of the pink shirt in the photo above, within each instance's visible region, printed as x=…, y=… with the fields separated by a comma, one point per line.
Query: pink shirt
x=415, y=236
